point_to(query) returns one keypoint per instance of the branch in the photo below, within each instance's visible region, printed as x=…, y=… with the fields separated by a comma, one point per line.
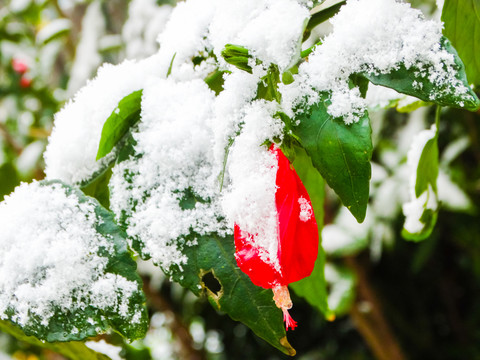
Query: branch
x=177, y=327
x=369, y=319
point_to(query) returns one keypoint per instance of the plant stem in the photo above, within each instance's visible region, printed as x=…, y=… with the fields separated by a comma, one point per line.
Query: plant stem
x=369, y=319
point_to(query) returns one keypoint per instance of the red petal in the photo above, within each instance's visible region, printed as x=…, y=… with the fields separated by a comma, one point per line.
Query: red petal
x=249, y=261
x=298, y=240
x=298, y=248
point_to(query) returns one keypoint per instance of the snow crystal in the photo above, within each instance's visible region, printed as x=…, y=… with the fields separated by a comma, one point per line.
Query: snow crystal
x=73, y=145
x=271, y=29
x=49, y=250
x=372, y=36
x=414, y=209
x=174, y=140
x=305, y=209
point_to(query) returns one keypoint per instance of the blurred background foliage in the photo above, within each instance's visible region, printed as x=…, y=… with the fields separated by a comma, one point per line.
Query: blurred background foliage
x=392, y=299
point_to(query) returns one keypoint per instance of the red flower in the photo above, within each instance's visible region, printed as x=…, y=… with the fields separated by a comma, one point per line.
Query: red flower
x=25, y=82
x=19, y=66
x=297, y=236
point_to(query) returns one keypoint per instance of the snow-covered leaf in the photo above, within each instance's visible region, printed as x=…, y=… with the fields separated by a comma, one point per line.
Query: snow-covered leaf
x=73, y=350
x=342, y=283
x=54, y=30
x=66, y=274
x=421, y=210
x=340, y=152
x=425, y=82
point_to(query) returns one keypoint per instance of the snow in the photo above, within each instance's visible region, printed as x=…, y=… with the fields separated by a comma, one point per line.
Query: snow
x=102, y=347
x=372, y=36
x=49, y=249
x=249, y=200
x=185, y=130
x=87, y=57
x=145, y=21
x=73, y=145
x=174, y=140
x=306, y=211
x=271, y=29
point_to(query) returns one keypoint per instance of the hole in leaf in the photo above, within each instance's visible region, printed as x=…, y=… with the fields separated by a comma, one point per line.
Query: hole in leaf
x=211, y=283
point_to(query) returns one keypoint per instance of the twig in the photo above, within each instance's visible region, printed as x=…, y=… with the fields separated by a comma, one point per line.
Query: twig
x=177, y=327
x=369, y=319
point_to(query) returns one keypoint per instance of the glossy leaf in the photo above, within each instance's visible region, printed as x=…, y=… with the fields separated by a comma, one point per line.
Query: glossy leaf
x=314, y=287
x=212, y=268
x=461, y=20
x=125, y=115
x=427, y=170
x=73, y=350
x=410, y=82
x=340, y=152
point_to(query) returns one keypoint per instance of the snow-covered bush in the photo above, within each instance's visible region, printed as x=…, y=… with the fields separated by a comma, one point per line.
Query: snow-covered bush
x=175, y=147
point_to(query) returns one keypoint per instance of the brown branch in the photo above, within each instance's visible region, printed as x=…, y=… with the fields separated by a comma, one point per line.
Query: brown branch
x=368, y=317
x=177, y=327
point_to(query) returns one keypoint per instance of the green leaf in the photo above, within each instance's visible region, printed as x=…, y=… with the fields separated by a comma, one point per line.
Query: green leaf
x=314, y=287
x=212, y=268
x=427, y=170
x=416, y=83
x=8, y=179
x=429, y=219
x=324, y=14
x=340, y=152
x=268, y=86
x=99, y=190
x=77, y=323
x=125, y=115
x=72, y=350
x=461, y=20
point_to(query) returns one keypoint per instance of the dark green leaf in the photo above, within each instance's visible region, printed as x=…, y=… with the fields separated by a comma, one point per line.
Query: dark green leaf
x=72, y=350
x=412, y=82
x=314, y=287
x=215, y=81
x=80, y=323
x=8, y=179
x=99, y=190
x=212, y=268
x=125, y=115
x=462, y=26
x=268, y=86
x=340, y=152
